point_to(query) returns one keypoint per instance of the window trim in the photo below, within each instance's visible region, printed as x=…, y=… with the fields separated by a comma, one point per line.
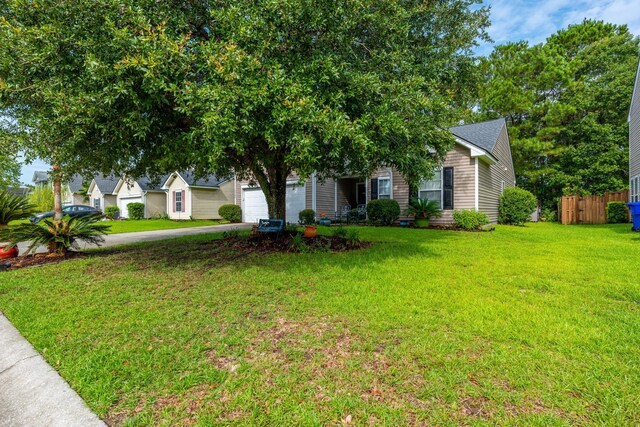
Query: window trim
x=177, y=207
x=440, y=190
x=96, y=203
x=634, y=189
x=385, y=195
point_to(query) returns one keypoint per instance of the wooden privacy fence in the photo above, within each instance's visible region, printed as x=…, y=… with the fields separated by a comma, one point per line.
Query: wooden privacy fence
x=589, y=209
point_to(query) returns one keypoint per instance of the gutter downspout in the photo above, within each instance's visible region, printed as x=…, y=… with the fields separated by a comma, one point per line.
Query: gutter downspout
x=476, y=184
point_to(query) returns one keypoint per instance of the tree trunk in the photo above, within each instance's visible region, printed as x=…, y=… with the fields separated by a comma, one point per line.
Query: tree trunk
x=57, y=194
x=277, y=201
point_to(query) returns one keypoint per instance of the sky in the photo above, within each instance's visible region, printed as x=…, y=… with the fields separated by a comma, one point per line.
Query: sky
x=514, y=20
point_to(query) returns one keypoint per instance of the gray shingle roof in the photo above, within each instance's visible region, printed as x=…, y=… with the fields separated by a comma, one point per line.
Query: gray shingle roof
x=75, y=183
x=40, y=176
x=106, y=184
x=483, y=134
x=208, y=181
x=150, y=184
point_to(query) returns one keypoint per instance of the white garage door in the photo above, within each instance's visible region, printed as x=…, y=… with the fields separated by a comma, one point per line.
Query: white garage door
x=255, y=205
x=124, y=212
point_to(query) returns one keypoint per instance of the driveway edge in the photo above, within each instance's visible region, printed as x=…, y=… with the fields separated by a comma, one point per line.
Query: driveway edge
x=32, y=392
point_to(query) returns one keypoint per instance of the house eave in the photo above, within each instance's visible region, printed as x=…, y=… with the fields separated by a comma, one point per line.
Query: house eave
x=477, y=152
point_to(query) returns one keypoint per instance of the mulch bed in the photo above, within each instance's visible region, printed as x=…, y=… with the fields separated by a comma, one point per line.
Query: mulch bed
x=286, y=242
x=454, y=228
x=40, y=259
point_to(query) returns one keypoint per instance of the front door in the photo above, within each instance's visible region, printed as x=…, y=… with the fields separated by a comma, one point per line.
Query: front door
x=361, y=195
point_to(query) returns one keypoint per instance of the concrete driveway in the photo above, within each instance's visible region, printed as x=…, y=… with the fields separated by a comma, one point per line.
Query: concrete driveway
x=148, y=236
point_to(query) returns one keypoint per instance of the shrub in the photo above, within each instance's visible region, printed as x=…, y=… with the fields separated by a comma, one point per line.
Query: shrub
x=57, y=236
x=516, y=206
x=232, y=213
x=13, y=208
x=136, y=210
x=307, y=217
x=423, y=208
x=547, y=215
x=383, y=211
x=469, y=219
x=616, y=212
x=42, y=198
x=112, y=211
x=353, y=237
x=340, y=232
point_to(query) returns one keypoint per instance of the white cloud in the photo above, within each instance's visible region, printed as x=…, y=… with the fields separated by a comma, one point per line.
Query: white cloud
x=534, y=21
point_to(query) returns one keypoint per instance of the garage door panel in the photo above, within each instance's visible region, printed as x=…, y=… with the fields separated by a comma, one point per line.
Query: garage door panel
x=124, y=211
x=255, y=204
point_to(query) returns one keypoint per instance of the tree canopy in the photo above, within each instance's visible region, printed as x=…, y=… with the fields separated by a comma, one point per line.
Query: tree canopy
x=566, y=102
x=258, y=89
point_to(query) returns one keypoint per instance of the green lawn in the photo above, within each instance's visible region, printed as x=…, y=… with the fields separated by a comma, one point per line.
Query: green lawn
x=131, y=225
x=536, y=325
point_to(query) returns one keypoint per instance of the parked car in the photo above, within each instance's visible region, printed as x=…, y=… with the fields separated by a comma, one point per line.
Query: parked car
x=71, y=210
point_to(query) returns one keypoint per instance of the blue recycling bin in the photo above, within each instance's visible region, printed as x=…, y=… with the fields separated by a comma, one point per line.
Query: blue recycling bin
x=634, y=210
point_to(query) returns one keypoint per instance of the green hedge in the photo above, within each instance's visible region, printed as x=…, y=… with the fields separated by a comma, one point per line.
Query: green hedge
x=307, y=217
x=383, y=211
x=112, y=211
x=516, y=206
x=616, y=212
x=232, y=213
x=136, y=210
x=469, y=219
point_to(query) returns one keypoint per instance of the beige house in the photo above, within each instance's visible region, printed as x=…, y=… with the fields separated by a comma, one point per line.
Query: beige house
x=143, y=190
x=473, y=175
x=191, y=198
x=634, y=142
x=102, y=192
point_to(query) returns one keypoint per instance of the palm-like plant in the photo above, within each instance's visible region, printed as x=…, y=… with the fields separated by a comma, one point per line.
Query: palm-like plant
x=424, y=208
x=57, y=236
x=13, y=208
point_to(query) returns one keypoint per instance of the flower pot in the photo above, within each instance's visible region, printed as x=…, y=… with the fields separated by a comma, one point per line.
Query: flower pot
x=9, y=253
x=422, y=222
x=310, y=231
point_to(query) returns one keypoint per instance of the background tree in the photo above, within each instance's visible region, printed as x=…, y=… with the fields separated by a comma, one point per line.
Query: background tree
x=566, y=102
x=260, y=89
x=9, y=159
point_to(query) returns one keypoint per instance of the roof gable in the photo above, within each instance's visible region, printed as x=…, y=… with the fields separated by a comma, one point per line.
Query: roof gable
x=634, y=107
x=483, y=134
x=75, y=183
x=40, y=176
x=210, y=181
x=106, y=184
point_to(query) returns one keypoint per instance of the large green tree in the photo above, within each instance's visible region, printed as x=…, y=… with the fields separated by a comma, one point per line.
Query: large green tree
x=566, y=101
x=9, y=157
x=261, y=89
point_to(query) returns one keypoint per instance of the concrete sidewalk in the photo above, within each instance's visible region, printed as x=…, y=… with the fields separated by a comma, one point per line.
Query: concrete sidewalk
x=148, y=236
x=31, y=391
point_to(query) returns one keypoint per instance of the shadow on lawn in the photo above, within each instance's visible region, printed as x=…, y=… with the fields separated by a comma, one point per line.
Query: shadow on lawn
x=210, y=252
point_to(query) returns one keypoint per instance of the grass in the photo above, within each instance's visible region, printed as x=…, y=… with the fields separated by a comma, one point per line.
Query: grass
x=535, y=325
x=132, y=225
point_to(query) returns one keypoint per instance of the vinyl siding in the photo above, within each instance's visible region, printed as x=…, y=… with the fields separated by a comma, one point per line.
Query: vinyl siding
x=105, y=200
x=634, y=130
x=155, y=204
x=129, y=189
x=459, y=158
x=325, y=197
x=491, y=177
x=206, y=202
x=179, y=184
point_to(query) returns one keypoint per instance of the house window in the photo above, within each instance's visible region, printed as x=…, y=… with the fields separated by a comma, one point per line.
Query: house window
x=384, y=188
x=178, y=204
x=432, y=189
x=634, y=191
x=96, y=203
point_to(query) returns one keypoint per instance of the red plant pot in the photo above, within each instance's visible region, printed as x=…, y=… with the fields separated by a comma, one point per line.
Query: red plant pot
x=310, y=231
x=9, y=253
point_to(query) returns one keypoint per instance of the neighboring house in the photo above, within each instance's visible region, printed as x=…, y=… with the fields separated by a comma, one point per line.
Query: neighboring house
x=40, y=178
x=102, y=192
x=143, y=190
x=72, y=192
x=21, y=191
x=634, y=142
x=188, y=197
x=474, y=174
